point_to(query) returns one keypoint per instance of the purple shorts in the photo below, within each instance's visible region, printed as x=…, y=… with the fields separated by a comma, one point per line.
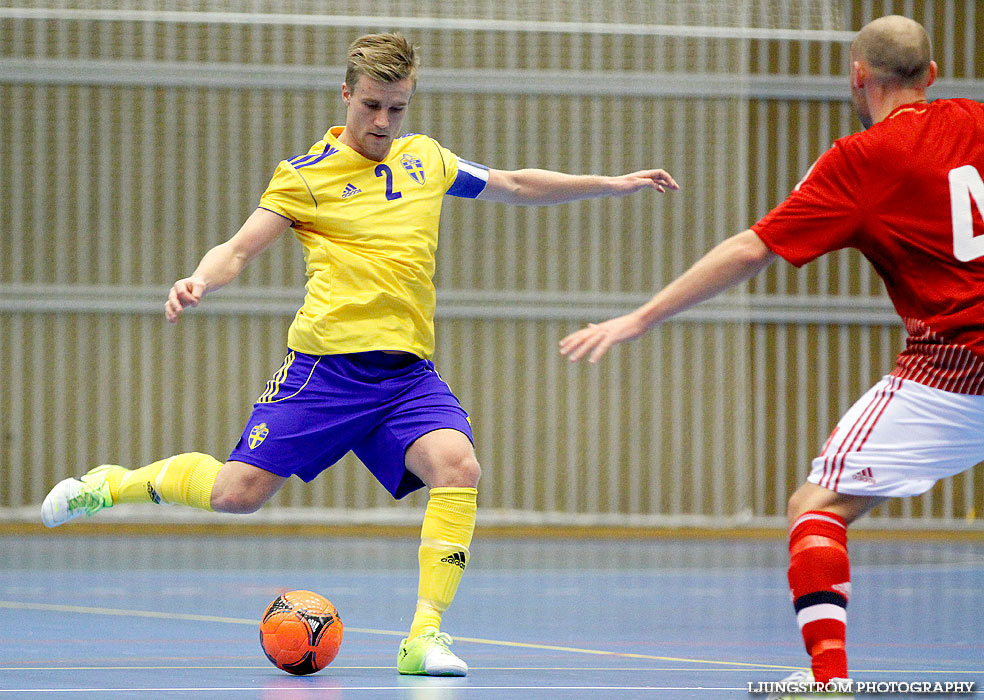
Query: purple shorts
x=318, y=407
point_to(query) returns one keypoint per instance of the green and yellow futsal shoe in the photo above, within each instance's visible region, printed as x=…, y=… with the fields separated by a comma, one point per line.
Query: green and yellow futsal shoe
x=71, y=498
x=800, y=686
x=428, y=654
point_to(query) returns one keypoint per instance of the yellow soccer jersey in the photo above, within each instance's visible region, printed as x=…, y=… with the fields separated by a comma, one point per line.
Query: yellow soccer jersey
x=369, y=231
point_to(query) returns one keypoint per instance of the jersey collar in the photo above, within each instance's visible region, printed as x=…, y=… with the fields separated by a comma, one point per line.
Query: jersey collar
x=916, y=107
x=331, y=136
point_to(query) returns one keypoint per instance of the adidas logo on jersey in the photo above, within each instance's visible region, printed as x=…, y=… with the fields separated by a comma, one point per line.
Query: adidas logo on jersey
x=458, y=559
x=864, y=475
x=350, y=190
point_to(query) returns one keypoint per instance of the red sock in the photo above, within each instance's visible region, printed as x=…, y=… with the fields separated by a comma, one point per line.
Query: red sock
x=820, y=581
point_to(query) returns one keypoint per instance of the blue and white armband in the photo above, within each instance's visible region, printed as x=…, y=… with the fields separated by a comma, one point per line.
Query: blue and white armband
x=471, y=179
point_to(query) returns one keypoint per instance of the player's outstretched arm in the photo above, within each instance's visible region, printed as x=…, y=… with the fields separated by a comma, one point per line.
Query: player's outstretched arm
x=224, y=262
x=730, y=263
x=533, y=186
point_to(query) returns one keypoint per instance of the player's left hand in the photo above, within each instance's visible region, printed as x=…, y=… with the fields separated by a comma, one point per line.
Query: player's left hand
x=597, y=338
x=643, y=179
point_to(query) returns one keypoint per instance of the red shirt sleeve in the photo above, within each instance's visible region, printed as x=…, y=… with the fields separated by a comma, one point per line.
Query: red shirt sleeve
x=821, y=214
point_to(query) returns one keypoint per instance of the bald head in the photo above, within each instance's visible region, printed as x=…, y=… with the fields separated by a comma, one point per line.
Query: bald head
x=896, y=50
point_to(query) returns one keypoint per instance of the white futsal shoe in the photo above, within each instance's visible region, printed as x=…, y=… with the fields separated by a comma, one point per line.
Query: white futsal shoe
x=71, y=498
x=428, y=654
x=800, y=682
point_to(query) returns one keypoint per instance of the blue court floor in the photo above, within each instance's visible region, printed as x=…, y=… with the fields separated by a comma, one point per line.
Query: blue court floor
x=159, y=617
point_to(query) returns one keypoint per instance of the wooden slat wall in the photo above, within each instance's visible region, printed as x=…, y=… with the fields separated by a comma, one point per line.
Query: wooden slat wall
x=133, y=143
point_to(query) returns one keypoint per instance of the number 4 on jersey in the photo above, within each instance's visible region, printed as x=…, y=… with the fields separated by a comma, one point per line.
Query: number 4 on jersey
x=966, y=184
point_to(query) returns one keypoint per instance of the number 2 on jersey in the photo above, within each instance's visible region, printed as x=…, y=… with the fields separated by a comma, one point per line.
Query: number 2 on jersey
x=966, y=184
x=384, y=171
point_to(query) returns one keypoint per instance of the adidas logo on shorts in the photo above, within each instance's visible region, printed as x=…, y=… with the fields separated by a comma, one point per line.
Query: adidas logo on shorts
x=350, y=190
x=864, y=475
x=458, y=559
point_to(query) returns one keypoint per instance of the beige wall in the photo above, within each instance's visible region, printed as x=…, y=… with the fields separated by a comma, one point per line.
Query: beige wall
x=131, y=147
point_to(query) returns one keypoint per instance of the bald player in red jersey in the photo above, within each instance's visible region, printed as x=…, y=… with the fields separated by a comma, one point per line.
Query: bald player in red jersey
x=908, y=194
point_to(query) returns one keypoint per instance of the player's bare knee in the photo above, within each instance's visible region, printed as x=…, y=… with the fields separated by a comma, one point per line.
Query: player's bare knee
x=463, y=471
x=470, y=471
x=242, y=488
x=795, y=507
x=240, y=503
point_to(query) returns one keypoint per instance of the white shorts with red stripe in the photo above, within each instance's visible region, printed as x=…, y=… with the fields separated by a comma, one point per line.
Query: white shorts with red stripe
x=900, y=438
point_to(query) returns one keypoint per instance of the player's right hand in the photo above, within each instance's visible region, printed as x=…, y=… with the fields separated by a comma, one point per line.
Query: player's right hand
x=659, y=180
x=185, y=292
x=595, y=340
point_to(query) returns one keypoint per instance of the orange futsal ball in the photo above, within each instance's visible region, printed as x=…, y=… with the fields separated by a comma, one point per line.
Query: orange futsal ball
x=301, y=632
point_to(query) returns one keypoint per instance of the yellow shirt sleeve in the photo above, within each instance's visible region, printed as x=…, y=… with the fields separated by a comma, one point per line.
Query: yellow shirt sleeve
x=462, y=178
x=450, y=165
x=290, y=196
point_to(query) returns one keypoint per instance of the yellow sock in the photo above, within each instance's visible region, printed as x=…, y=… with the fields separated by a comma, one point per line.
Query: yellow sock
x=186, y=479
x=449, y=523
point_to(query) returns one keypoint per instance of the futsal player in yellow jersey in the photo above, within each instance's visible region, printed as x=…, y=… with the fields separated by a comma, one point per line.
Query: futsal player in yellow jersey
x=365, y=205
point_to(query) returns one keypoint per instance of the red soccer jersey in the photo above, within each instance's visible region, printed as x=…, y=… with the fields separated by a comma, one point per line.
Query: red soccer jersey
x=908, y=193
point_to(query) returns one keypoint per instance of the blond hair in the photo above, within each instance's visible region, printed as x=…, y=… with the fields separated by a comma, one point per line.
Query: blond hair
x=385, y=57
x=897, y=50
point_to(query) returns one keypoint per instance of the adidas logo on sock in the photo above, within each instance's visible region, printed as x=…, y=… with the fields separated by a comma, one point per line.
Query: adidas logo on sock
x=349, y=190
x=864, y=475
x=458, y=559
x=152, y=492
